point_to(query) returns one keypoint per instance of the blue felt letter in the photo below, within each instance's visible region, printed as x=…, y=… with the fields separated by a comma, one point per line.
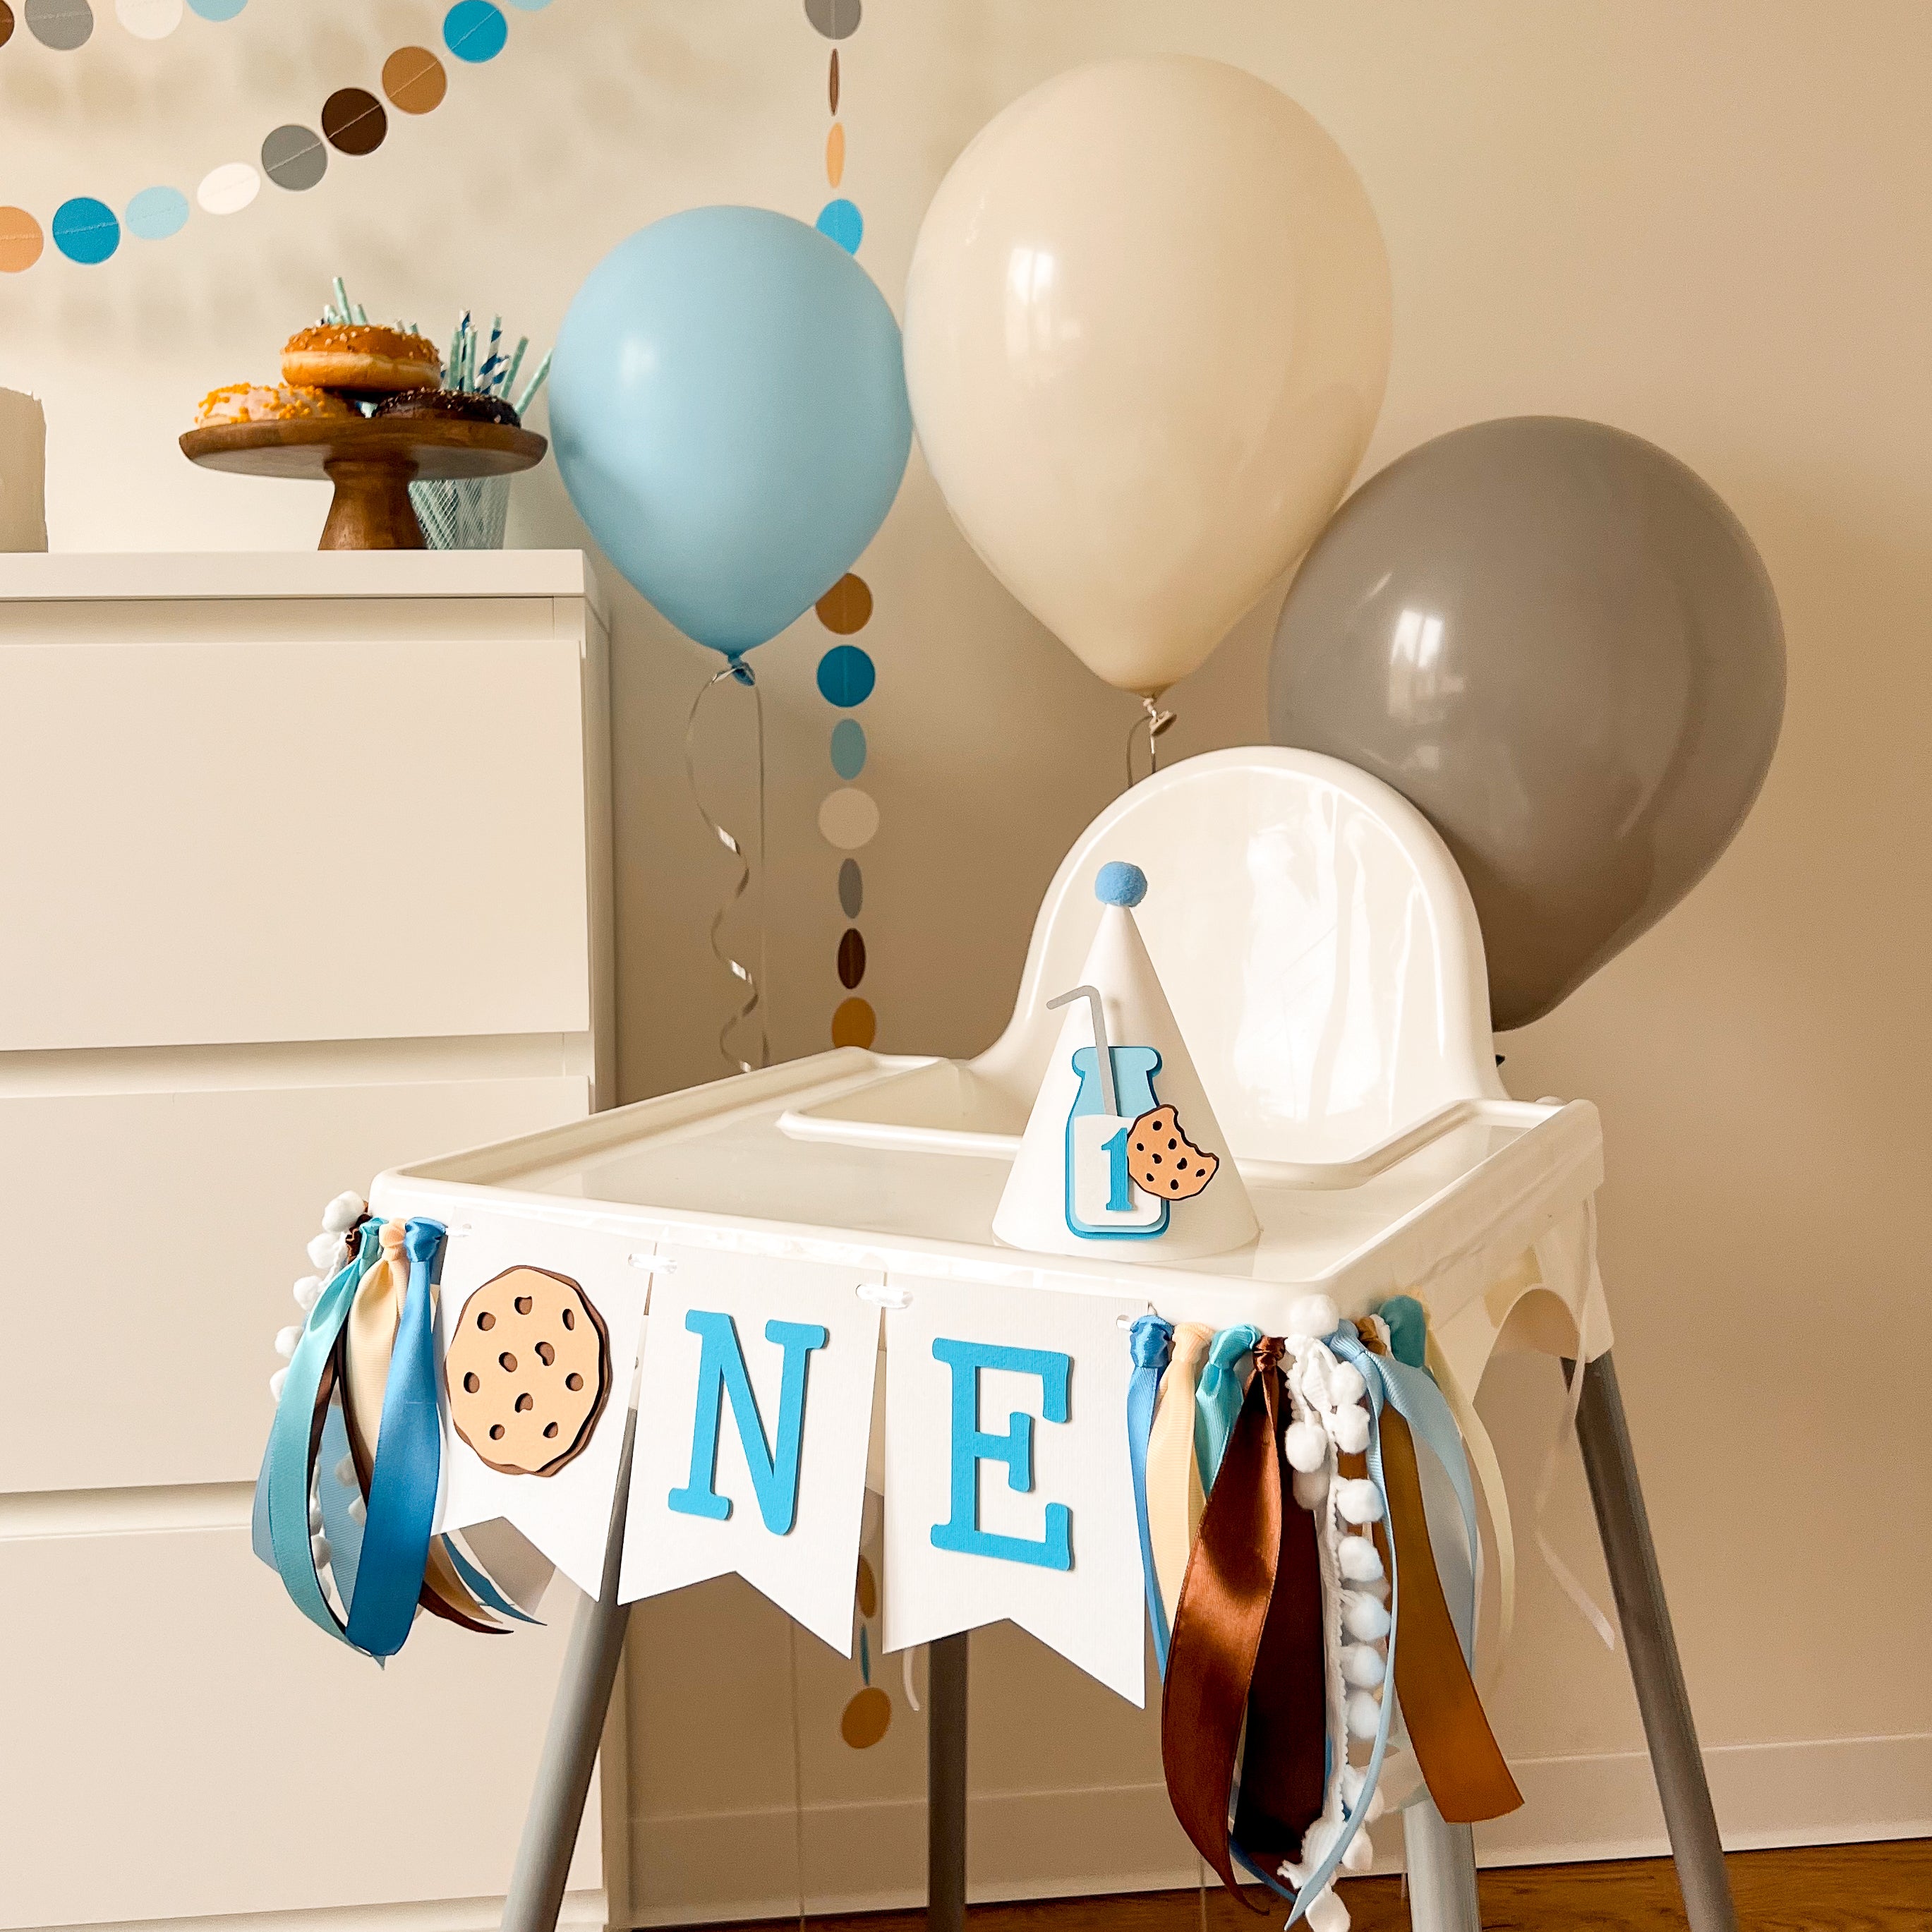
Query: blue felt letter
x=721, y=1368
x=972, y=1445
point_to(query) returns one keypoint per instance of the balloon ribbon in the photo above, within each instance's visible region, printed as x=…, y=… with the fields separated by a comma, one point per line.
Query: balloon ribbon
x=739, y=673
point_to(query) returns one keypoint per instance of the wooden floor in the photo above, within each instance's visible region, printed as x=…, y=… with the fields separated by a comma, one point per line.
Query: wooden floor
x=1884, y=1888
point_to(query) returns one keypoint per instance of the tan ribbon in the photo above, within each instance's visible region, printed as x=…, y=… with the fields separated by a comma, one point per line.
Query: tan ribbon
x=1175, y=1497
x=368, y=1339
x=1448, y=1730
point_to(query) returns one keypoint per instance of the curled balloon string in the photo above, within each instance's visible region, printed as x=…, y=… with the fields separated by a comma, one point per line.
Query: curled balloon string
x=739, y=672
x=1154, y=724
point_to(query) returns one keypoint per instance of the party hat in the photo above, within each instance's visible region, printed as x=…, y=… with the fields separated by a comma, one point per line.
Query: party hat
x=1122, y=1154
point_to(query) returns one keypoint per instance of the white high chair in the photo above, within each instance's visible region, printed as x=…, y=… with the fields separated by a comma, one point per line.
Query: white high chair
x=1321, y=955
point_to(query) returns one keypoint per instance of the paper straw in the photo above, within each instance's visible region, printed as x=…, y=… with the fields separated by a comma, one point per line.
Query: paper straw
x=535, y=383
x=341, y=300
x=508, y=377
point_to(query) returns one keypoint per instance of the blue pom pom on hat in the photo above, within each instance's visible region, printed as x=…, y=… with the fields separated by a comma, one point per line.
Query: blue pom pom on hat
x=1119, y=883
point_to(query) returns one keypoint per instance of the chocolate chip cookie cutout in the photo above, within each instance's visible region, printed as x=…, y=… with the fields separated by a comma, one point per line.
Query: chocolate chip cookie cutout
x=1164, y=1161
x=529, y=1372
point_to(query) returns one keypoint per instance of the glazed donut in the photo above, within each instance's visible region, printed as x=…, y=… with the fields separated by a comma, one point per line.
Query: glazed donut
x=451, y=405
x=255, y=402
x=361, y=358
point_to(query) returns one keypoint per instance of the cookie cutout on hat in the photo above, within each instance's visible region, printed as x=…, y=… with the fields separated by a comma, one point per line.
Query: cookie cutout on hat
x=1164, y=1161
x=529, y=1372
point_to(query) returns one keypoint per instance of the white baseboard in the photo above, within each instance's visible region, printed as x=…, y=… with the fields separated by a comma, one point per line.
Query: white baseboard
x=583, y=1911
x=699, y=1868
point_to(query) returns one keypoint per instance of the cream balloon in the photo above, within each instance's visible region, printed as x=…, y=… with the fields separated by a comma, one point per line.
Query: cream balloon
x=1146, y=334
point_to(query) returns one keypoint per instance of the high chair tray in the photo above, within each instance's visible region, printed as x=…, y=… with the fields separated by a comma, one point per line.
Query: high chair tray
x=725, y=1166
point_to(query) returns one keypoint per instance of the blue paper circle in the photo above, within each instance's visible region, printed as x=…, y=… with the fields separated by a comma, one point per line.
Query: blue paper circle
x=530, y=6
x=156, y=213
x=475, y=31
x=842, y=222
x=846, y=676
x=728, y=406
x=85, y=230
x=217, y=10
x=848, y=745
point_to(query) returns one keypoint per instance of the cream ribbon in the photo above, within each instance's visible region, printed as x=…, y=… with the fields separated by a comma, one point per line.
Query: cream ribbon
x=1175, y=1497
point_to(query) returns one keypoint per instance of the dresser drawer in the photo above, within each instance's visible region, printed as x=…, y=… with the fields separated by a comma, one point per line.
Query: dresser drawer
x=152, y=1239
x=182, y=1743
x=255, y=838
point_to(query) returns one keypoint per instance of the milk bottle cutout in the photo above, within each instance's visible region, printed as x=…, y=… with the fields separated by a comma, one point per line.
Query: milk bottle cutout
x=1122, y=1147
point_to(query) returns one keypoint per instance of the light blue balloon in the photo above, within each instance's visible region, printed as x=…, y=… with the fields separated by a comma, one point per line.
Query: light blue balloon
x=728, y=405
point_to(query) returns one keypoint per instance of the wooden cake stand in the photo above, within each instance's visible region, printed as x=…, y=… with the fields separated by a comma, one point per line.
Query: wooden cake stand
x=372, y=461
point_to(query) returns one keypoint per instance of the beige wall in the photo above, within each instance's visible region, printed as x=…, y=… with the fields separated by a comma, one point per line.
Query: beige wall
x=1706, y=224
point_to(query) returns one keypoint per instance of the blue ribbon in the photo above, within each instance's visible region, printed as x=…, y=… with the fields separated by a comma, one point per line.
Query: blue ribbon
x=1217, y=1397
x=1152, y=1340
x=479, y=1585
x=282, y=1492
x=409, y=1465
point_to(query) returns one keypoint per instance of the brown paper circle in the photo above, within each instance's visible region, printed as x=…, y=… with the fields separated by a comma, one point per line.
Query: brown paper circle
x=353, y=121
x=848, y=606
x=851, y=957
x=6, y=23
x=415, y=80
x=21, y=241
x=854, y=1024
x=867, y=1718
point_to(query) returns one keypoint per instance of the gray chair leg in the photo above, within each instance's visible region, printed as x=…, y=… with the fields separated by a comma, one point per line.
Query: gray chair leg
x=576, y=1728
x=1441, y=1859
x=1678, y=1765
x=946, y=1785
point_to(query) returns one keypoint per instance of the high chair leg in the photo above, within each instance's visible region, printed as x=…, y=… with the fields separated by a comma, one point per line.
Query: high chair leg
x=576, y=1729
x=946, y=1785
x=1677, y=1763
x=1440, y=1860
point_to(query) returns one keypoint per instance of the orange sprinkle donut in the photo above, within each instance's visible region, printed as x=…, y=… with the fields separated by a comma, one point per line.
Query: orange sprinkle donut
x=361, y=357
x=254, y=402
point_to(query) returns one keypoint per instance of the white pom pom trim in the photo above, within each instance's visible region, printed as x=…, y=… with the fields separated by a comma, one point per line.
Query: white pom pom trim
x=286, y=1339
x=1350, y=1427
x=1364, y=1715
x=318, y=1548
x=342, y=1213
x=1307, y=1444
x=1359, y=1500
x=307, y=1291
x=326, y=1252
x=359, y=1510
x=1363, y=1665
x=345, y=1472
x=275, y=1382
x=1361, y=1562
x=1346, y=1383
x=1363, y=1617
x=1360, y=1856
x=1311, y=1486
x=1313, y=1315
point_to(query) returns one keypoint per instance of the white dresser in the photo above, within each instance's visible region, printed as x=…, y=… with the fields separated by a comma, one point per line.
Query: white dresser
x=304, y=871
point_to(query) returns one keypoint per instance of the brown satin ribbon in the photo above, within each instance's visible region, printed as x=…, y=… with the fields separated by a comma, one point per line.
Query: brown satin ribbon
x=1465, y=1772
x=1247, y=1645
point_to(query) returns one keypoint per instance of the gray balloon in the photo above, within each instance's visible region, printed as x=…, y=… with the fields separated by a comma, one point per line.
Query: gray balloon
x=1558, y=641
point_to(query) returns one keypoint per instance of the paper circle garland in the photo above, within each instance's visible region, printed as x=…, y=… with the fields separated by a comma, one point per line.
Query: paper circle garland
x=848, y=748
x=156, y=213
x=62, y=25
x=85, y=230
x=475, y=31
x=294, y=157
x=848, y=818
x=846, y=676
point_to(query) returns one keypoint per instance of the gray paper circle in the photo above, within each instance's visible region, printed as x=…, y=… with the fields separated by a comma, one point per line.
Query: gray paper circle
x=835, y=19
x=851, y=888
x=294, y=157
x=63, y=25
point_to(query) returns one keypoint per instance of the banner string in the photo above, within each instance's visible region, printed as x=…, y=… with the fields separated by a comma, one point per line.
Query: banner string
x=1154, y=724
x=739, y=672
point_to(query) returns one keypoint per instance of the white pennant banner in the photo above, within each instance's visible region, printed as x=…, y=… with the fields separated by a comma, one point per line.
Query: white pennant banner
x=754, y=1409
x=1008, y=1490
x=565, y=1513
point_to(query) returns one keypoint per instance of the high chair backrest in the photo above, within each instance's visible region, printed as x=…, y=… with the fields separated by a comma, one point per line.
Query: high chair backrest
x=1315, y=939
